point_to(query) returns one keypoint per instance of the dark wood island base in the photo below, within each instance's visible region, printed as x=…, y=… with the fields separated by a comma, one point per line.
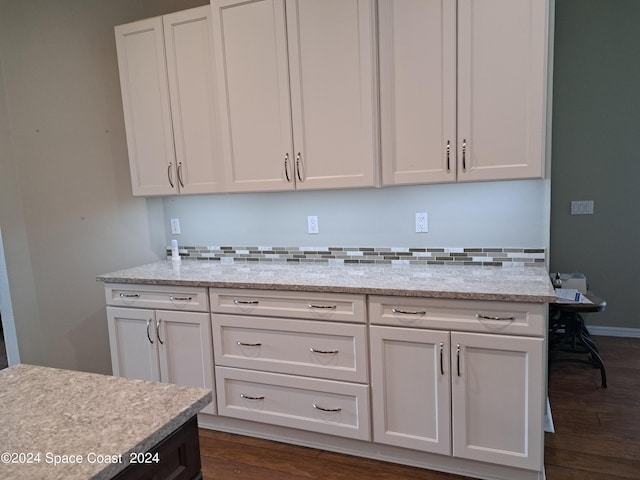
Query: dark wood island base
x=178, y=458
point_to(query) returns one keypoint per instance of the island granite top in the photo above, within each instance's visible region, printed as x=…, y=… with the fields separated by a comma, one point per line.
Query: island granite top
x=514, y=284
x=94, y=418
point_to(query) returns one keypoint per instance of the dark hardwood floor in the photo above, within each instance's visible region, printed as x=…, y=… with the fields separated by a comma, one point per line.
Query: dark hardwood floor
x=597, y=434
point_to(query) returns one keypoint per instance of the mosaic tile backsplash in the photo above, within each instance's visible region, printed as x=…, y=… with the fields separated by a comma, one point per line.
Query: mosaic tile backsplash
x=505, y=257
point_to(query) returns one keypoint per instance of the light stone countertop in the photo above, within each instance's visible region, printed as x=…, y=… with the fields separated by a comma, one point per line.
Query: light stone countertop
x=64, y=412
x=512, y=284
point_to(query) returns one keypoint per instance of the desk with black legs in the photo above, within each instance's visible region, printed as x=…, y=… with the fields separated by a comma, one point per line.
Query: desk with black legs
x=569, y=337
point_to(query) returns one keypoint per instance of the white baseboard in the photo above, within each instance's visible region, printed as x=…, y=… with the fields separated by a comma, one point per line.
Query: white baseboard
x=614, y=331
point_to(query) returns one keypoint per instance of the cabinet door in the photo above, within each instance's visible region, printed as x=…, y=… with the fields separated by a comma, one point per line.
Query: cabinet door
x=410, y=384
x=253, y=91
x=498, y=402
x=146, y=106
x=502, y=51
x=189, y=51
x=417, y=91
x=184, y=343
x=331, y=63
x=133, y=343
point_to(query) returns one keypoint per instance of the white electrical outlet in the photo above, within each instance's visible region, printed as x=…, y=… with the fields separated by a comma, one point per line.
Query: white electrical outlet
x=422, y=222
x=175, y=226
x=312, y=224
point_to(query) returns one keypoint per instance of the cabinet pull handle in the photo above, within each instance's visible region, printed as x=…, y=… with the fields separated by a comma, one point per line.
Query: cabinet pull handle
x=246, y=302
x=407, y=312
x=243, y=344
x=158, y=332
x=464, y=155
x=322, y=307
x=324, y=352
x=169, y=176
x=149, y=336
x=286, y=167
x=458, y=358
x=129, y=295
x=441, y=358
x=180, y=174
x=248, y=397
x=448, y=156
x=317, y=407
x=180, y=299
x=298, y=168
x=487, y=317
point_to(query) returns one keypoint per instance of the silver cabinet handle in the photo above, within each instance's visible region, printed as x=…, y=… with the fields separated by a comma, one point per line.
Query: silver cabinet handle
x=458, y=358
x=464, y=155
x=246, y=302
x=158, y=332
x=317, y=407
x=243, y=344
x=298, y=167
x=180, y=299
x=169, y=175
x=448, y=156
x=322, y=307
x=248, y=397
x=129, y=295
x=441, y=358
x=180, y=174
x=149, y=336
x=487, y=317
x=286, y=167
x=324, y=352
x=407, y=312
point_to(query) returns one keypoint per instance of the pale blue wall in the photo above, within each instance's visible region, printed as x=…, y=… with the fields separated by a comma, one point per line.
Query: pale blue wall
x=491, y=214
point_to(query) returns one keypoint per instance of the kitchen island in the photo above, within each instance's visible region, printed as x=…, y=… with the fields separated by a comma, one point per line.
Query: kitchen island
x=436, y=366
x=62, y=424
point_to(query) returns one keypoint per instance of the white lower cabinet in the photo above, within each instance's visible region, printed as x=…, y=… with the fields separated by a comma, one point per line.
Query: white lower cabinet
x=317, y=405
x=497, y=399
x=451, y=385
x=292, y=359
x=411, y=388
x=161, y=345
x=476, y=396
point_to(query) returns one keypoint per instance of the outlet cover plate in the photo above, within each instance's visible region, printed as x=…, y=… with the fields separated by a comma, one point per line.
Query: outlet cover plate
x=422, y=222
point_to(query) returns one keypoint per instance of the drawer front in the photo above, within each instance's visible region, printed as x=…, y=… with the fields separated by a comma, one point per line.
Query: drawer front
x=165, y=297
x=330, y=350
x=511, y=318
x=324, y=406
x=305, y=305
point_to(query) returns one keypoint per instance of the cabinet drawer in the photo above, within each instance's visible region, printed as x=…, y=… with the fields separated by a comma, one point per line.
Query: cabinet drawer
x=165, y=297
x=325, y=406
x=464, y=315
x=306, y=305
x=318, y=349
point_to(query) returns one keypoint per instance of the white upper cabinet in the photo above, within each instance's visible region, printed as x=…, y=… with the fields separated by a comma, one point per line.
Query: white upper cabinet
x=502, y=72
x=168, y=93
x=296, y=83
x=417, y=90
x=463, y=99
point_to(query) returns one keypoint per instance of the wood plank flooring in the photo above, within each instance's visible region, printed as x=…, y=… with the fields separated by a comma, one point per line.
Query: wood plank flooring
x=597, y=434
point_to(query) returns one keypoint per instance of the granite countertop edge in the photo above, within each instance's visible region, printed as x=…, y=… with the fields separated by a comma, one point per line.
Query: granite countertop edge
x=120, y=408
x=528, y=284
